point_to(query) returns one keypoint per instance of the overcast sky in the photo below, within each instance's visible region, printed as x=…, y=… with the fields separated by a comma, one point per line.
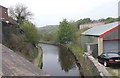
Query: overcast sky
x=51, y=12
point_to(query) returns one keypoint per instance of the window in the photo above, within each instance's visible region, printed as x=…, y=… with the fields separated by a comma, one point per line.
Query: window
x=104, y=55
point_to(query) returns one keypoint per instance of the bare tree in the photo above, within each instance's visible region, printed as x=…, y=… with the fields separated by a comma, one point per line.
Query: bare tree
x=20, y=12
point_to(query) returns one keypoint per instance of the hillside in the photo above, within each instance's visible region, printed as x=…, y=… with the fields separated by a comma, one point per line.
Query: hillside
x=14, y=38
x=48, y=32
x=48, y=28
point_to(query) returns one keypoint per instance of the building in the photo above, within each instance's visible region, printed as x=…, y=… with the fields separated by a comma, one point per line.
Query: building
x=90, y=25
x=3, y=13
x=104, y=38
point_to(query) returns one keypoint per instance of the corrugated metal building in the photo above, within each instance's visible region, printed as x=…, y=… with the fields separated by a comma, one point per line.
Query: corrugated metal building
x=104, y=38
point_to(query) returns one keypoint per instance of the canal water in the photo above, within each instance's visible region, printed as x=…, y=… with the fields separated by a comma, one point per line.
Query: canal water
x=58, y=61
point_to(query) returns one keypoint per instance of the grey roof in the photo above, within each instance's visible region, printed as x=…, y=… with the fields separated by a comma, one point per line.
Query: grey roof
x=98, y=30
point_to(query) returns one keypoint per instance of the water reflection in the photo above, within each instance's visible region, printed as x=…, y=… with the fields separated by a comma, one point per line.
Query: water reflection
x=66, y=59
x=57, y=61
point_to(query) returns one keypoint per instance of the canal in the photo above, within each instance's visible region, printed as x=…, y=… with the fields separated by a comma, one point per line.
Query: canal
x=58, y=61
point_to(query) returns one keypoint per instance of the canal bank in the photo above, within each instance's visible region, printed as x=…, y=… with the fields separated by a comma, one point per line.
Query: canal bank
x=38, y=60
x=88, y=66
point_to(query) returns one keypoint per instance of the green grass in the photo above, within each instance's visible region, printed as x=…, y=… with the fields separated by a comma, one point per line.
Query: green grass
x=75, y=49
x=110, y=70
x=40, y=61
x=35, y=52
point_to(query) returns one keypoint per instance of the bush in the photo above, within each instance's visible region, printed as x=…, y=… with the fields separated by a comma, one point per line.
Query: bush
x=30, y=32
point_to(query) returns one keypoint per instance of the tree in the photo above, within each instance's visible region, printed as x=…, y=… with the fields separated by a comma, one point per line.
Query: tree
x=86, y=20
x=101, y=20
x=83, y=21
x=109, y=20
x=66, y=31
x=30, y=32
x=117, y=19
x=20, y=12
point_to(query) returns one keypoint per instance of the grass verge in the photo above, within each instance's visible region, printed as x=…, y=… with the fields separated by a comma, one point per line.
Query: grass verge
x=40, y=61
x=75, y=49
x=110, y=70
x=35, y=52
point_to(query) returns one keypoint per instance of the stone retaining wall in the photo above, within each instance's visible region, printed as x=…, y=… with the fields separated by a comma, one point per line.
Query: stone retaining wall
x=90, y=67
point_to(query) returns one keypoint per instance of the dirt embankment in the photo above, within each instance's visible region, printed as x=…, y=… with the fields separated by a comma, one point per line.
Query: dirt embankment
x=14, y=38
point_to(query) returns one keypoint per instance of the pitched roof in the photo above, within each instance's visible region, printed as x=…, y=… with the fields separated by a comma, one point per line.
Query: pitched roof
x=101, y=30
x=3, y=7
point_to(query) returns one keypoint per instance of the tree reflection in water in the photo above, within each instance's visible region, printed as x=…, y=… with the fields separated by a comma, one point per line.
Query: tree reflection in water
x=66, y=59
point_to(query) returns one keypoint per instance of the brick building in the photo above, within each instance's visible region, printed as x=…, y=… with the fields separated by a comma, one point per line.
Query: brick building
x=3, y=13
